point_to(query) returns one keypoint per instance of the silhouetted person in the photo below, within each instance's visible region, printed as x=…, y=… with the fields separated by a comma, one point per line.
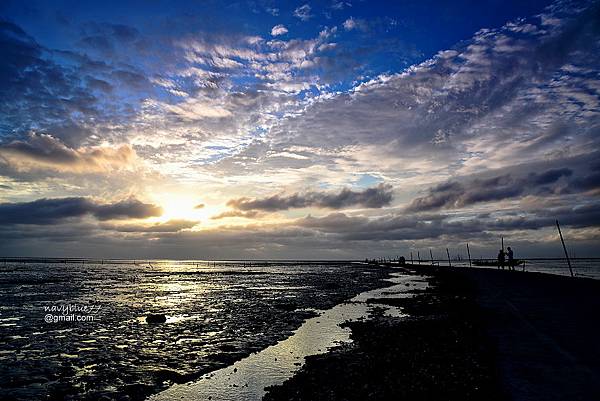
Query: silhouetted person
x=402, y=261
x=511, y=259
x=501, y=259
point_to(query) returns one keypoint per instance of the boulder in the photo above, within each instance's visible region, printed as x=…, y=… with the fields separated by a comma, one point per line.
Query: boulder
x=156, y=318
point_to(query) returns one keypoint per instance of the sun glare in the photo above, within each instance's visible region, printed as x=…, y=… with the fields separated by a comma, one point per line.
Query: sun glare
x=181, y=207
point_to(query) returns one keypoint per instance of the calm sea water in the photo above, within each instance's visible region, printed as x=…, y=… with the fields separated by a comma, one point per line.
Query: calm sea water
x=79, y=330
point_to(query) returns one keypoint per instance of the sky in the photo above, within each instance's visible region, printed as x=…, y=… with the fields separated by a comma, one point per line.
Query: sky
x=298, y=130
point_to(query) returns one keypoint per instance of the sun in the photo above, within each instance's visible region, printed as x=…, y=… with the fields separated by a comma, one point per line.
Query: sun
x=182, y=207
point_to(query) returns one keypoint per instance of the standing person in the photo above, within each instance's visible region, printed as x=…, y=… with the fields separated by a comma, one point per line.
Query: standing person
x=511, y=259
x=501, y=259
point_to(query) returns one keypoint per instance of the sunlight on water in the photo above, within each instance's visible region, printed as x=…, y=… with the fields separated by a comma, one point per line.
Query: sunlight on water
x=247, y=379
x=215, y=314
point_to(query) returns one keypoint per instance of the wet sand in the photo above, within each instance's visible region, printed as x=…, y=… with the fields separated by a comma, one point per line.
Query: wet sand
x=214, y=317
x=247, y=379
x=475, y=334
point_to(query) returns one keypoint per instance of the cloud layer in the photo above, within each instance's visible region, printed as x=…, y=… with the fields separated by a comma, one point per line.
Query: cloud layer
x=44, y=152
x=376, y=197
x=52, y=211
x=307, y=129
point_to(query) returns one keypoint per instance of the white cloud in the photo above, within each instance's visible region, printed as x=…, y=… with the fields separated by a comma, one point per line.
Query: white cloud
x=303, y=12
x=195, y=109
x=279, y=30
x=238, y=124
x=355, y=23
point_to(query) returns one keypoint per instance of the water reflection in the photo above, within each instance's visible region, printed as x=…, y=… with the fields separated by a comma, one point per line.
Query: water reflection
x=247, y=379
x=214, y=316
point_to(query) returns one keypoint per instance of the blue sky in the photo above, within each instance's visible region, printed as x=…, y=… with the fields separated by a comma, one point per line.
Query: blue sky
x=389, y=36
x=305, y=129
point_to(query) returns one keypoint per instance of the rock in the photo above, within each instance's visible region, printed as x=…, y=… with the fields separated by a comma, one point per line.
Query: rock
x=156, y=318
x=285, y=306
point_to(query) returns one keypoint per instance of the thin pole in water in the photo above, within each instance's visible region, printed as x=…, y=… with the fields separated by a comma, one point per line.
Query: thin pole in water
x=564, y=248
x=469, y=253
x=431, y=254
x=411, y=258
x=419, y=256
x=448, y=253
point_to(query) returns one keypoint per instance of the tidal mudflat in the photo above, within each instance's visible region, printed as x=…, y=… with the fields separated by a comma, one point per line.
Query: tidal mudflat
x=215, y=315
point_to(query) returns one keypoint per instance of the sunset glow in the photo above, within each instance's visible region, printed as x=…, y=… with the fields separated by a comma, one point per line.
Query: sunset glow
x=304, y=130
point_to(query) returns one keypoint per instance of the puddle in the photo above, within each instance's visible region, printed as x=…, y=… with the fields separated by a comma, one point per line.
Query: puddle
x=247, y=378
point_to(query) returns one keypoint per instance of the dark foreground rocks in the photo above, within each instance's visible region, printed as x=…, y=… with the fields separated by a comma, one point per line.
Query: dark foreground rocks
x=439, y=353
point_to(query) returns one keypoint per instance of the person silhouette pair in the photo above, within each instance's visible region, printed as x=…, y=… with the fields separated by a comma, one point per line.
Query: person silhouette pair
x=502, y=258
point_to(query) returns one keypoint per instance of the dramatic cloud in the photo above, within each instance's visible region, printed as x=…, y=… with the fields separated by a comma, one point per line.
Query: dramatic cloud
x=279, y=30
x=171, y=226
x=455, y=194
x=495, y=136
x=526, y=91
x=66, y=93
x=51, y=211
x=376, y=197
x=43, y=151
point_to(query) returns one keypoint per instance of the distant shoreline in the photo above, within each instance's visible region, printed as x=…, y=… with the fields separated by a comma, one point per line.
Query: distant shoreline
x=52, y=259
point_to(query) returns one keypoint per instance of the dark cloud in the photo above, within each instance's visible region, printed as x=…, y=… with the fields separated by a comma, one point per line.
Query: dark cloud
x=36, y=90
x=391, y=227
x=68, y=94
x=98, y=84
x=51, y=211
x=375, y=197
x=435, y=226
x=44, y=153
x=105, y=37
x=589, y=182
x=236, y=213
x=133, y=79
x=170, y=226
x=454, y=194
x=129, y=208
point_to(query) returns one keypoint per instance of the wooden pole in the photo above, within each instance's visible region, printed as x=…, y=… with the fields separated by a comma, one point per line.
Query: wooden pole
x=469, y=253
x=502, y=244
x=431, y=254
x=564, y=248
x=448, y=253
x=419, y=256
x=411, y=259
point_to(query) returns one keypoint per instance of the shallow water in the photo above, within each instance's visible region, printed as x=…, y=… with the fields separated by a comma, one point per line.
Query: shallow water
x=215, y=316
x=248, y=378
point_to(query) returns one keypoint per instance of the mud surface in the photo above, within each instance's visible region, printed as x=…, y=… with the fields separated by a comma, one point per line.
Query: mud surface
x=215, y=316
x=439, y=352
